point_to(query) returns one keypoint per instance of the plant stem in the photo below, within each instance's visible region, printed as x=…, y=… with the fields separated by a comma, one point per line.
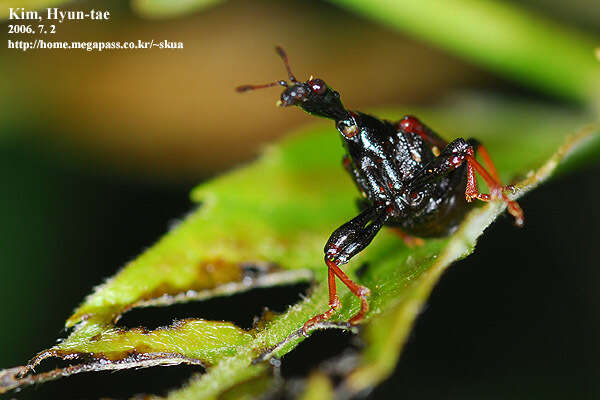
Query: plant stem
x=499, y=36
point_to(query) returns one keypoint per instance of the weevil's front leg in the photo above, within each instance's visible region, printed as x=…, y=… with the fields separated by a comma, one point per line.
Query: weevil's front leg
x=347, y=241
x=491, y=179
x=453, y=156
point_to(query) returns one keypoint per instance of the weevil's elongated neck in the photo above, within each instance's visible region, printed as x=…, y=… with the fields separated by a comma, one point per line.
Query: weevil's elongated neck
x=326, y=106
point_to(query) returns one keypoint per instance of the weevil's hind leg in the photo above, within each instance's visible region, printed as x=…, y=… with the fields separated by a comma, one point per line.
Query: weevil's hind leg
x=492, y=180
x=347, y=241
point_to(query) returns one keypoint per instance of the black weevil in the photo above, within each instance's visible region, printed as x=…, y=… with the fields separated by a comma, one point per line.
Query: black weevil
x=410, y=179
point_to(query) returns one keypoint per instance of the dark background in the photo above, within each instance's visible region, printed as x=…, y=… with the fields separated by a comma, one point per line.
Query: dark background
x=89, y=181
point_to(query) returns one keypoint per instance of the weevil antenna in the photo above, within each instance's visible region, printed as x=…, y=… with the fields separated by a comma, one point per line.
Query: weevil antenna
x=284, y=57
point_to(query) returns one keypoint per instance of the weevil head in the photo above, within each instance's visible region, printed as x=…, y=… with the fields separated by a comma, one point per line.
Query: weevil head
x=314, y=97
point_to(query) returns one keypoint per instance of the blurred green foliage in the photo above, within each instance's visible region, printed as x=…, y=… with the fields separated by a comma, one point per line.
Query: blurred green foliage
x=166, y=8
x=501, y=37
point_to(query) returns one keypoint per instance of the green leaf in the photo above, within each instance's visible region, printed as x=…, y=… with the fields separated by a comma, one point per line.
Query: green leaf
x=266, y=224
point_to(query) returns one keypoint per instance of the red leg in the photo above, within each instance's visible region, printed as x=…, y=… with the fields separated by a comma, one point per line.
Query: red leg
x=359, y=291
x=452, y=157
x=334, y=302
x=344, y=243
x=487, y=160
x=492, y=181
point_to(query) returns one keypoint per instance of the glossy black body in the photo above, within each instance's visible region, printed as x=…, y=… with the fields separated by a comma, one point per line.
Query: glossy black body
x=408, y=176
x=383, y=160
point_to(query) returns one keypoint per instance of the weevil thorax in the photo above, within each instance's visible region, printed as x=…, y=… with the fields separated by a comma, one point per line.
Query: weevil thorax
x=316, y=98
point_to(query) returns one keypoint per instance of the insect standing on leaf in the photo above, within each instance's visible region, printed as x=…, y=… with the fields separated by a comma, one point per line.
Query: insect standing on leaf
x=410, y=179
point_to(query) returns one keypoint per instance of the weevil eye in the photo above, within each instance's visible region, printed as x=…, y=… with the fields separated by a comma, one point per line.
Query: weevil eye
x=317, y=86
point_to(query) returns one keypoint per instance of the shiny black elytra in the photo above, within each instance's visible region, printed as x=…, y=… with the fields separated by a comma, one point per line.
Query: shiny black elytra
x=410, y=179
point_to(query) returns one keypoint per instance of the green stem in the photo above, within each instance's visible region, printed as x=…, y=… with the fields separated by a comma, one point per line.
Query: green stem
x=498, y=36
